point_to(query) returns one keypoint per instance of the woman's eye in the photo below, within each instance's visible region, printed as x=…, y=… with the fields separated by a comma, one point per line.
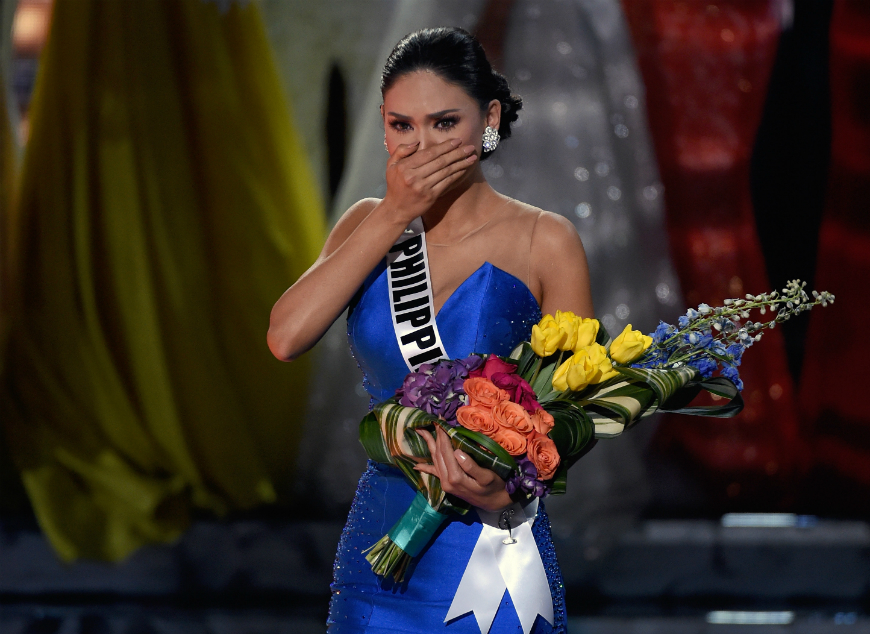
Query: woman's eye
x=400, y=126
x=445, y=124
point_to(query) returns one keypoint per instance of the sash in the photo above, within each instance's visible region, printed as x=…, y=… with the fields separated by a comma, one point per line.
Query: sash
x=411, y=304
x=498, y=564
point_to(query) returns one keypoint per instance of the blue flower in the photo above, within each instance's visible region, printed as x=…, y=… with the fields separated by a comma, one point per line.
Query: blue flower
x=704, y=365
x=734, y=376
x=662, y=332
x=705, y=340
x=683, y=321
x=692, y=314
x=735, y=351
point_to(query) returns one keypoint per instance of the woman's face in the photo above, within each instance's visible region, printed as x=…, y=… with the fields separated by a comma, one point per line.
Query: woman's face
x=422, y=107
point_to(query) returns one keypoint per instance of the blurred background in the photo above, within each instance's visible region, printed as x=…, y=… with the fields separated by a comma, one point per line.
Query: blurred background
x=169, y=167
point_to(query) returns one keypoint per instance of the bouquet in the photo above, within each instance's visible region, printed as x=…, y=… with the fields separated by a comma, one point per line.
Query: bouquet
x=530, y=416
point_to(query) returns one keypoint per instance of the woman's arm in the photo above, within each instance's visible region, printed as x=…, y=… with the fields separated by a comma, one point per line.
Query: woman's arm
x=359, y=240
x=354, y=247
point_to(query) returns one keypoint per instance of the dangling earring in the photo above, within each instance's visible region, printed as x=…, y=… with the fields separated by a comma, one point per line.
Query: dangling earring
x=385, y=144
x=490, y=139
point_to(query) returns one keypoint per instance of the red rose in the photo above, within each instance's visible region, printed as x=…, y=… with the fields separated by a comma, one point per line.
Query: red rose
x=493, y=364
x=518, y=389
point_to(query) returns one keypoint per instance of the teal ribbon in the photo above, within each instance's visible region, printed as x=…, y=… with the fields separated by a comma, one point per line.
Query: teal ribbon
x=417, y=526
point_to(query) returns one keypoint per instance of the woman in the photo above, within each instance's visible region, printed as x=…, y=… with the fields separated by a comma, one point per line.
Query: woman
x=494, y=265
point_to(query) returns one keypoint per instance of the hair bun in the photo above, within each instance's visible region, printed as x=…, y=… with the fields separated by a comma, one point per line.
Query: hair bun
x=510, y=105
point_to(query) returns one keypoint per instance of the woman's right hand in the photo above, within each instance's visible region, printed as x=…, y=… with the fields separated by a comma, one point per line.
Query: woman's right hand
x=417, y=178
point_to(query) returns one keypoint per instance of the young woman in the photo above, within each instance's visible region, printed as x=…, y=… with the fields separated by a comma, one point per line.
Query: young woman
x=494, y=265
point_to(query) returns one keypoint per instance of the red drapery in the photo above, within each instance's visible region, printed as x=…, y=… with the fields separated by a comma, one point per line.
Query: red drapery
x=706, y=67
x=836, y=419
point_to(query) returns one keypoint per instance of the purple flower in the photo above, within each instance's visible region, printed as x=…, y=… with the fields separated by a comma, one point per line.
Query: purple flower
x=526, y=480
x=436, y=388
x=471, y=362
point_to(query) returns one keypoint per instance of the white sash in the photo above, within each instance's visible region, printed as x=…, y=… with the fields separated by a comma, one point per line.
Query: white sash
x=496, y=565
x=411, y=304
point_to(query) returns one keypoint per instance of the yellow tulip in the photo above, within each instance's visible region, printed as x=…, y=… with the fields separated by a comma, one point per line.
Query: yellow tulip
x=581, y=372
x=629, y=345
x=560, y=376
x=577, y=372
x=586, y=333
x=601, y=362
x=579, y=332
x=546, y=336
x=568, y=326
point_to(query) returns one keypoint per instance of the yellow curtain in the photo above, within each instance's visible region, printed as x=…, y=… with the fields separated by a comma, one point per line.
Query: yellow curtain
x=165, y=203
x=11, y=496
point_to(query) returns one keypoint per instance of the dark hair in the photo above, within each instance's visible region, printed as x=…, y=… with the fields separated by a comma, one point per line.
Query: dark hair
x=458, y=58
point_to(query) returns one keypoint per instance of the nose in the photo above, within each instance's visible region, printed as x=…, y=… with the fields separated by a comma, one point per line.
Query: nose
x=426, y=139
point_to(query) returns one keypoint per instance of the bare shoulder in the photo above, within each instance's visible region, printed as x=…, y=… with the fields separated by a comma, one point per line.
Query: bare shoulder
x=555, y=233
x=357, y=212
x=550, y=232
x=348, y=223
x=558, y=263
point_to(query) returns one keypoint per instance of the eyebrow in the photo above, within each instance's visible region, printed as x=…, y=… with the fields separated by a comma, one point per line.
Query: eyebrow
x=434, y=115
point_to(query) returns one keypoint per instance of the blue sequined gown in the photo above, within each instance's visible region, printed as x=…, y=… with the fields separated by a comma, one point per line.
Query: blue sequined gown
x=490, y=312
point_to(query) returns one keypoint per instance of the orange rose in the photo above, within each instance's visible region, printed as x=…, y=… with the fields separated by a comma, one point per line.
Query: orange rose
x=512, y=441
x=542, y=421
x=476, y=419
x=513, y=416
x=542, y=452
x=483, y=393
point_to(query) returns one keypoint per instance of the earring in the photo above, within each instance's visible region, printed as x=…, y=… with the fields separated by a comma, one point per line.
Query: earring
x=490, y=139
x=385, y=144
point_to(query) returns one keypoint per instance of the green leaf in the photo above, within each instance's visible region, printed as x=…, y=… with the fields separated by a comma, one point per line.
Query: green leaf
x=484, y=451
x=526, y=360
x=664, y=382
x=543, y=385
x=372, y=439
x=720, y=386
x=602, y=338
x=572, y=432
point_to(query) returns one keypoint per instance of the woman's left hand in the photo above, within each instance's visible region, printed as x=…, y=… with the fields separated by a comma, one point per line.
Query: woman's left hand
x=461, y=476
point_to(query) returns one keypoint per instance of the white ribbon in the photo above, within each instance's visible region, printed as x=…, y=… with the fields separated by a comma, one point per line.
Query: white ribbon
x=495, y=567
x=411, y=305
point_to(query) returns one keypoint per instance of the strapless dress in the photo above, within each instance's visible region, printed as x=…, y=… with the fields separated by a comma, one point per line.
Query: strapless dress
x=490, y=312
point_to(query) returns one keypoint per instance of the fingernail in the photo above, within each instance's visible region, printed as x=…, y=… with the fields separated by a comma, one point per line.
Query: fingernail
x=456, y=142
x=468, y=149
